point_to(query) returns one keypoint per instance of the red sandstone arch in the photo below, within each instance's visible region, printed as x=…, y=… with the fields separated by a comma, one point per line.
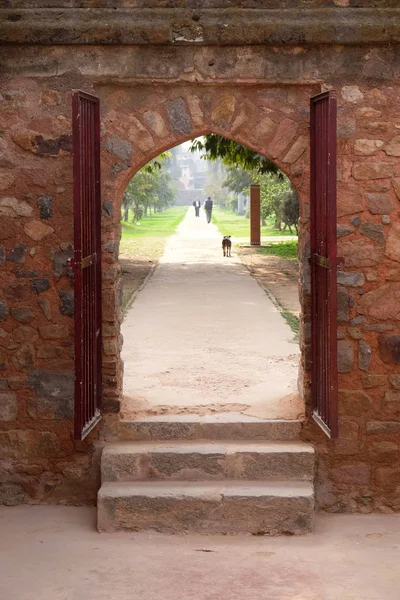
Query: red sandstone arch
x=136, y=129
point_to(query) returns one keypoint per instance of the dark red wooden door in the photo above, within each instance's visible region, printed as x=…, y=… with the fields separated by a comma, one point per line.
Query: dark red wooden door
x=324, y=262
x=87, y=262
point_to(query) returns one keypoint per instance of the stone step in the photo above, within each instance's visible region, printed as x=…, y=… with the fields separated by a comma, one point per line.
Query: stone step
x=204, y=460
x=224, y=426
x=209, y=507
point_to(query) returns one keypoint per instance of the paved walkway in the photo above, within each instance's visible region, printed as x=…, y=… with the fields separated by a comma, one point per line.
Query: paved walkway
x=203, y=337
x=54, y=553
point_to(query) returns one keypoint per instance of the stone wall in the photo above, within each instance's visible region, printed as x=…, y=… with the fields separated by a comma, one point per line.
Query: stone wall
x=154, y=97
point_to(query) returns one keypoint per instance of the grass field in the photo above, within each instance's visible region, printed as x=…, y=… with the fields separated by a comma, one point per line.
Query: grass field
x=229, y=223
x=287, y=249
x=148, y=237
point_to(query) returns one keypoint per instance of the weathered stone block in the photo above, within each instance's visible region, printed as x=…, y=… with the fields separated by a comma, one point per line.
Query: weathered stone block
x=382, y=303
x=110, y=347
x=352, y=93
x=357, y=321
x=345, y=356
x=379, y=204
x=45, y=204
x=360, y=254
x=393, y=243
x=349, y=200
x=54, y=332
x=284, y=135
x=118, y=147
x=372, y=170
x=392, y=397
x=343, y=230
x=11, y=494
x=23, y=314
x=373, y=380
x=12, y=207
x=37, y=230
x=358, y=474
x=3, y=360
x=40, y=285
x=387, y=477
x=50, y=351
x=107, y=209
x=351, y=279
x=342, y=305
x=17, y=254
x=389, y=348
x=353, y=402
x=355, y=333
x=374, y=231
x=17, y=292
x=46, y=308
x=55, y=392
x=385, y=452
x=383, y=427
x=8, y=406
x=60, y=261
x=392, y=148
x=298, y=148
x=394, y=380
x=16, y=383
x=66, y=302
x=178, y=116
x=20, y=444
x=24, y=333
x=378, y=327
x=364, y=355
x=24, y=358
x=348, y=441
x=3, y=310
x=367, y=147
x=6, y=180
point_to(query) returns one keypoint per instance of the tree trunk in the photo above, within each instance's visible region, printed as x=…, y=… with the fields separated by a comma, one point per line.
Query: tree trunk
x=126, y=213
x=263, y=222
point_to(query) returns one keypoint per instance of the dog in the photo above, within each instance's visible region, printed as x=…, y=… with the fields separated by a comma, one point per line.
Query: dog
x=226, y=245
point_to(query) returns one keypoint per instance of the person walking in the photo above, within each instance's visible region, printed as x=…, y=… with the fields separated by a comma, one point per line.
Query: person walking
x=208, y=205
x=197, y=205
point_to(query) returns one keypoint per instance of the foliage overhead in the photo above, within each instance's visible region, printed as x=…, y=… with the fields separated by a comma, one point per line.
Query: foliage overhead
x=233, y=154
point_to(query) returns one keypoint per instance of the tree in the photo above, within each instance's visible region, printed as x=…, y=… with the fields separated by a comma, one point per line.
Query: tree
x=237, y=180
x=151, y=188
x=233, y=154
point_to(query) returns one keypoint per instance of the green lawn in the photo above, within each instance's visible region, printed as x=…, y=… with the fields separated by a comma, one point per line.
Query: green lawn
x=147, y=238
x=287, y=249
x=229, y=223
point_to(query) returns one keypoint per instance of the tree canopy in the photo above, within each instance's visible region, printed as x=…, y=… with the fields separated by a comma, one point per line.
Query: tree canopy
x=233, y=154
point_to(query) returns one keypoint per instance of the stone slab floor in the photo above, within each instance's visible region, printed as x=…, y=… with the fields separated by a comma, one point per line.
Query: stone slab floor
x=203, y=337
x=55, y=553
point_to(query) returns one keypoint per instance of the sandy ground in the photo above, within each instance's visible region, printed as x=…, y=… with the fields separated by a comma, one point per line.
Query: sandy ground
x=279, y=276
x=54, y=553
x=203, y=337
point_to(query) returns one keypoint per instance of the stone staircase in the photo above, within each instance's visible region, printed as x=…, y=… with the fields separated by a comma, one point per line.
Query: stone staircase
x=166, y=474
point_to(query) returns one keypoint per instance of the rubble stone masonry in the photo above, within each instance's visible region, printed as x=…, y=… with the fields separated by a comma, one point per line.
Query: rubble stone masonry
x=182, y=73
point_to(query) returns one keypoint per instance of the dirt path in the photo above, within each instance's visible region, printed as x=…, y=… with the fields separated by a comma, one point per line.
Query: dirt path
x=279, y=276
x=202, y=337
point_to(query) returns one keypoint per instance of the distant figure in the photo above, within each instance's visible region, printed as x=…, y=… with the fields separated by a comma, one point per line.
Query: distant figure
x=197, y=205
x=208, y=204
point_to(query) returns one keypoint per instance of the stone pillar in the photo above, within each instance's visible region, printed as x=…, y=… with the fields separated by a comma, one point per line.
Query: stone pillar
x=255, y=215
